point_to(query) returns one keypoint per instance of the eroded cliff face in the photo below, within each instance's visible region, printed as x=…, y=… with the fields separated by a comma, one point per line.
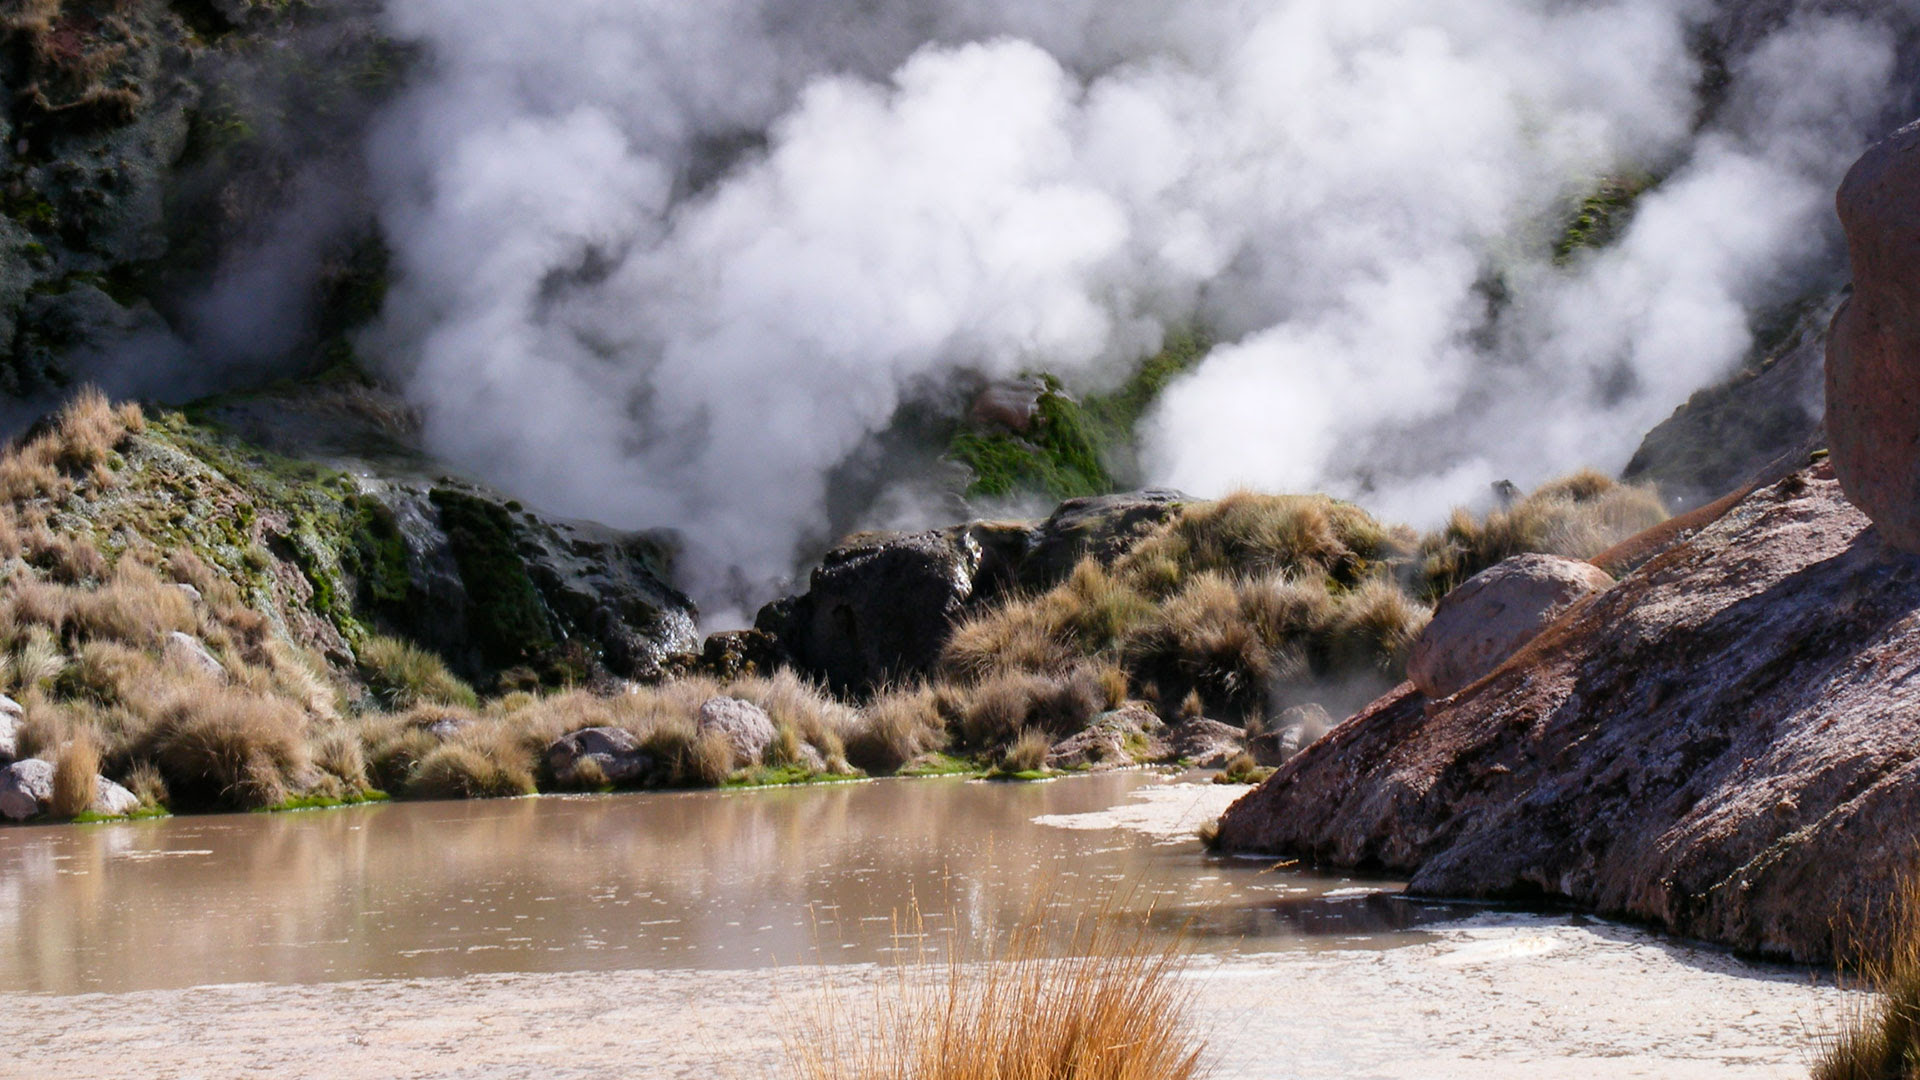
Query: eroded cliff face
x=1723, y=744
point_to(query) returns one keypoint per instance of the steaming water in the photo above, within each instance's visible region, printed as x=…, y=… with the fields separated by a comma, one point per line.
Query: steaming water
x=698, y=880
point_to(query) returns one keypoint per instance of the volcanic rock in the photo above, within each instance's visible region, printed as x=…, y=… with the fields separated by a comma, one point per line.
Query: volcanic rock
x=1873, y=357
x=187, y=651
x=1114, y=740
x=613, y=751
x=1206, y=744
x=113, y=800
x=26, y=787
x=881, y=606
x=746, y=726
x=1492, y=614
x=1726, y=744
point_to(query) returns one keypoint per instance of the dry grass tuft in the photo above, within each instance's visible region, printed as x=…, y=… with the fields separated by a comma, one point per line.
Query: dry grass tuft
x=896, y=727
x=1113, y=1007
x=1881, y=1040
x=1578, y=516
x=999, y=711
x=229, y=748
x=402, y=675
x=465, y=770
x=76, y=776
x=1028, y=753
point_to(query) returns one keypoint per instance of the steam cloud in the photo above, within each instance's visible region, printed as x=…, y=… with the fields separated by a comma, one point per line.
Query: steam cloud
x=672, y=264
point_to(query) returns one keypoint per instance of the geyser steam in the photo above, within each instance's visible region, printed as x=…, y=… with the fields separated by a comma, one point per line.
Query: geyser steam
x=670, y=264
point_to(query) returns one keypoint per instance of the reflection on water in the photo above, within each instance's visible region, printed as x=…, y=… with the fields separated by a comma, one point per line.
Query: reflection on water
x=692, y=880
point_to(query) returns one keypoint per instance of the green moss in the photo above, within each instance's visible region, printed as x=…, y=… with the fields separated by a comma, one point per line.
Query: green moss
x=1061, y=458
x=1023, y=775
x=942, y=765
x=1074, y=448
x=144, y=813
x=1602, y=216
x=325, y=802
x=782, y=776
x=508, y=619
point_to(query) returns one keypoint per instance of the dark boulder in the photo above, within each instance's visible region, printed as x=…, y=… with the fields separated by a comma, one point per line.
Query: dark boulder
x=881, y=606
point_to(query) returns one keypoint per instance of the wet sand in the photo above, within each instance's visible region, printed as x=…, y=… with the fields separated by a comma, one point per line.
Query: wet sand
x=1535, y=999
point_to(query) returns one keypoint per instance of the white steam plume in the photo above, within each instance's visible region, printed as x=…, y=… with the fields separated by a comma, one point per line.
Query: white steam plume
x=670, y=264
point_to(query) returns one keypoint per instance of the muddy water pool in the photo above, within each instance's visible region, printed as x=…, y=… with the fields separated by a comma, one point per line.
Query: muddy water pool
x=669, y=935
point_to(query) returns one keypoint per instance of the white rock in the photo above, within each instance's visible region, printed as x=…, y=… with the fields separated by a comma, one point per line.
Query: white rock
x=112, y=799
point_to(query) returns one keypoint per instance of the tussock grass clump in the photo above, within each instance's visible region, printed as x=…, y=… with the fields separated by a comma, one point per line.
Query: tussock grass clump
x=1109, y=1006
x=1881, y=1039
x=1578, y=516
x=229, y=748
x=1248, y=534
x=1026, y=754
x=1227, y=599
x=402, y=675
x=76, y=776
x=1007, y=707
x=463, y=770
x=901, y=724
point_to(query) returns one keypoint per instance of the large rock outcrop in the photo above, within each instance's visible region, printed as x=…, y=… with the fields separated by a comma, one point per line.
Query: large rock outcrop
x=881, y=606
x=1873, y=357
x=1726, y=743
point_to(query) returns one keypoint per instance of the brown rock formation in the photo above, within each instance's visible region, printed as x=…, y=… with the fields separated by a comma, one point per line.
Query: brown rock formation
x=1726, y=743
x=1487, y=619
x=1873, y=356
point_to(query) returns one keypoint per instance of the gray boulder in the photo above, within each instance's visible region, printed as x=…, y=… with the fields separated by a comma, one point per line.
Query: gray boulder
x=1206, y=744
x=613, y=751
x=1484, y=621
x=9, y=736
x=1114, y=740
x=746, y=726
x=26, y=787
x=113, y=800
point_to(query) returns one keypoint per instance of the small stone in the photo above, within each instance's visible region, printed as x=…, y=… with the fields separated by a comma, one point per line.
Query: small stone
x=187, y=651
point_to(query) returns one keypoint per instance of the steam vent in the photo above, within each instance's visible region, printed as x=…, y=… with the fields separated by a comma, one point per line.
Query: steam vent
x=1873, y=357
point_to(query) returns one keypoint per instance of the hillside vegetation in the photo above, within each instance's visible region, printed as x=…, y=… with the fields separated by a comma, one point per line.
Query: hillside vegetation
x=200, y=622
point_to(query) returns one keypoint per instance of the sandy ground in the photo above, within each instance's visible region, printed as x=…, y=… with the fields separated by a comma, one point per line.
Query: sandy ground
x=1540, y=999
x=1497, y=997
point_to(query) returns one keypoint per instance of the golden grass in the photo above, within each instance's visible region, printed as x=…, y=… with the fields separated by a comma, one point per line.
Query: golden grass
x=1881, y=1039
x=1110, y=1006
x=1578, y=516
x=1027, y=753
x=402, y=675
x=76, y=776
x=897, y=726
x=1000, y=710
